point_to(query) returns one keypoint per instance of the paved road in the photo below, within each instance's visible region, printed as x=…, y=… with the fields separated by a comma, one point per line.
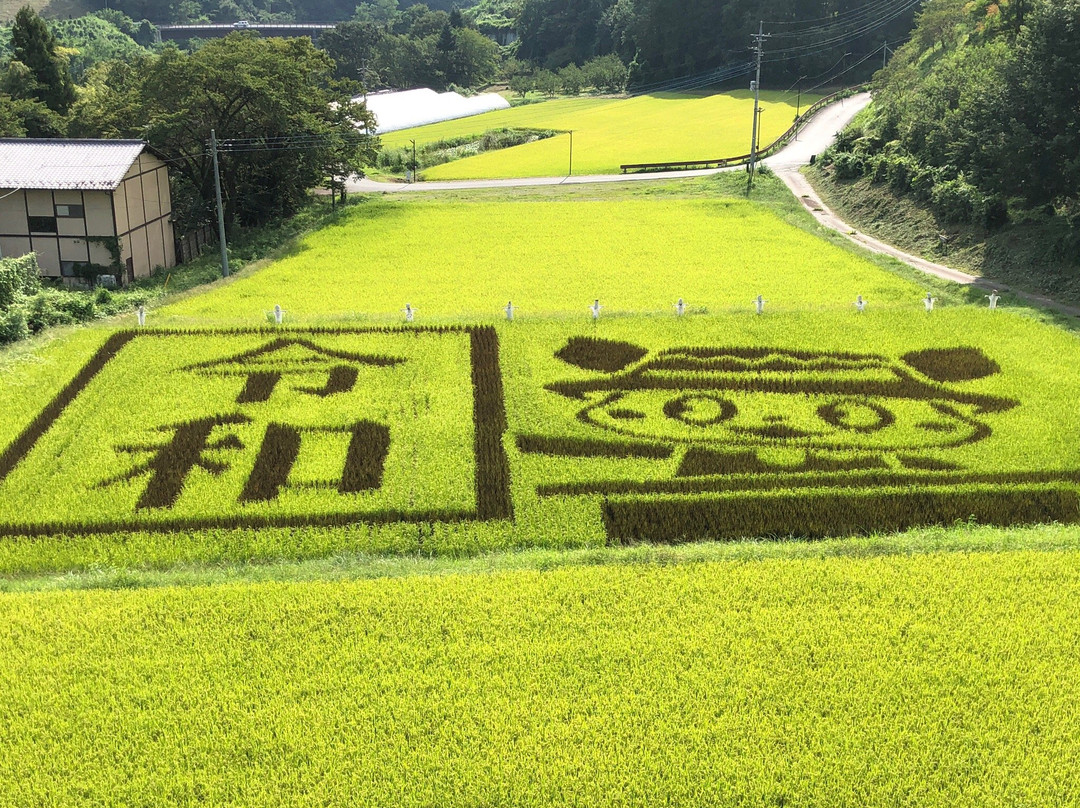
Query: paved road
x=813, y=139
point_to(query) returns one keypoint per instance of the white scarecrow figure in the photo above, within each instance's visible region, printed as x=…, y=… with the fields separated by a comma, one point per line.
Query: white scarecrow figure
x=509, y=310
x=993, y=297
x=409, y=313
x=759, y=303
x=860, y=304
x=680, y=308
x=929, y=302
x=595, y=309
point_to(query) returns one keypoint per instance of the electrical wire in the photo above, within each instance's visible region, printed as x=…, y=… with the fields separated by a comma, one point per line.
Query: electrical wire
x=850, y=36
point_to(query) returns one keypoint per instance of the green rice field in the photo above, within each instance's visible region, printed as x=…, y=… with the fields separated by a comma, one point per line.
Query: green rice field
x=812, y=556
x=548, y=257
x=609, y=132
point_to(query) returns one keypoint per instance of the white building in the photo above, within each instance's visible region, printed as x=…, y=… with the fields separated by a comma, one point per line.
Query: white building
x=75, y=202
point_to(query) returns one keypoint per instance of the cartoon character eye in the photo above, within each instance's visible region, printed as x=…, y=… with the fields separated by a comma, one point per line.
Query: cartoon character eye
x=625, y=414
x=700, y=409
x=856, y=416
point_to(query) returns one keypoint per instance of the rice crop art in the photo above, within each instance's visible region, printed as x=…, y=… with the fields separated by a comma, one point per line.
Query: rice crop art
x=556, y=433
x=691, y=437
x=257, y=428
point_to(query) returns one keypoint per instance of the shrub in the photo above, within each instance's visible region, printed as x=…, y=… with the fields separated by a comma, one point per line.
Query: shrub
x=18, y=277
x=995, y=213
x=13, y=326
x=957, y=201
x=848, y=166
x=900, y=173
x=58, y=307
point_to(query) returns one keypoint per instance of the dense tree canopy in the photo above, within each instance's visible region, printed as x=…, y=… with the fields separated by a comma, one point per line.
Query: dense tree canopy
x=38, y=71
x=989, y=91
x=285, y=122
x=667, y=38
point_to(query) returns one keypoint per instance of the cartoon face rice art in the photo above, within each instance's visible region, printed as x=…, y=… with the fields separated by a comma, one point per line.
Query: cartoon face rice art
x=746, y=398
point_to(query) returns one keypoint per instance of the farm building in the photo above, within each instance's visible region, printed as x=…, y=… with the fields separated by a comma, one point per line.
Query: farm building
x=81, y=202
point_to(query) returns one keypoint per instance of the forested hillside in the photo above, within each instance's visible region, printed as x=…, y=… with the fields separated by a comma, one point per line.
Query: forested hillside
x=977, y=119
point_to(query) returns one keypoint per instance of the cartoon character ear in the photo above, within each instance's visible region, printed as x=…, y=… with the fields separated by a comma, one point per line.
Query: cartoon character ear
x=605, y=355
x=952, y=364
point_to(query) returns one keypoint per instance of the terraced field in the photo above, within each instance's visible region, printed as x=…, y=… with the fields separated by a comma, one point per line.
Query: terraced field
x=609, y=132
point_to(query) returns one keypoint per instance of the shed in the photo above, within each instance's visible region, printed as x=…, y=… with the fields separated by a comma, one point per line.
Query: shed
x=83, y=202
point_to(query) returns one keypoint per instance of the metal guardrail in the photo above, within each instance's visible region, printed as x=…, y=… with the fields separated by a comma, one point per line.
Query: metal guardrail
x=773, y=147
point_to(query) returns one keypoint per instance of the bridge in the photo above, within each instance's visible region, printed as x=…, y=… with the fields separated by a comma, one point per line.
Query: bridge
x=206, y=30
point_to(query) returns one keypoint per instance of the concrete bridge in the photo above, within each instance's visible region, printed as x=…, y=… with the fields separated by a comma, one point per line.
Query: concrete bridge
x=206, y=30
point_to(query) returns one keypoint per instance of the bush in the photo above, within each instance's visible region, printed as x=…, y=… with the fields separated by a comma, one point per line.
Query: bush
x=13, y=326
x=923, y=181
x=900, y=173
x=958, y=201
x=879, y=169
x=847, y=166
x=58, y=307
x=19, y=277
x=995, y=214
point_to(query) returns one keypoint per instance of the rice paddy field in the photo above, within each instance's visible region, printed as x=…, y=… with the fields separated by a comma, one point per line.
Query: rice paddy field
x=609, y=132
x=697, y=556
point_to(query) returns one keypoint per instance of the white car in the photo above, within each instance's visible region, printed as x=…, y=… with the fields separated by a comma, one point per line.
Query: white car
x=241, y=24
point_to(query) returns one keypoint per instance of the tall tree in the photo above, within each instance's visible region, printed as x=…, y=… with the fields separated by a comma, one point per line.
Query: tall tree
x=34, y=46
x=282, y=118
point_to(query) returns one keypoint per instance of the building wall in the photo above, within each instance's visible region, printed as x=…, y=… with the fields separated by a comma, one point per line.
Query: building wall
x=143, y=212
x=59, y=226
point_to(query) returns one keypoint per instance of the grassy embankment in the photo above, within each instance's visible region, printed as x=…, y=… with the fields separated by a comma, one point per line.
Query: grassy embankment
x=1025, y=254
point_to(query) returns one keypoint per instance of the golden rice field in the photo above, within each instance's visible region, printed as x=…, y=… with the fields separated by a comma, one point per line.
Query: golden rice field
x=609, y=132
x=662, y=626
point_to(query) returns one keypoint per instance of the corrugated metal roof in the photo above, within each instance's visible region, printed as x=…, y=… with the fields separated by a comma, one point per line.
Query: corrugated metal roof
x=88, y=165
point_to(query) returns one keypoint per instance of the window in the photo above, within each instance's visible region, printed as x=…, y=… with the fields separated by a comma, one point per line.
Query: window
x=69, y=212
x=69, y=269
x=42, y=224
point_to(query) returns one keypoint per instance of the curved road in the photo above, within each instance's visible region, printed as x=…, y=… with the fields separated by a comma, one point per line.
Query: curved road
x=816, y=136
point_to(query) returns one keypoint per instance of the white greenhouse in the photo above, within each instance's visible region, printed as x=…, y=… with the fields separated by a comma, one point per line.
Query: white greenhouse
x=408, y=108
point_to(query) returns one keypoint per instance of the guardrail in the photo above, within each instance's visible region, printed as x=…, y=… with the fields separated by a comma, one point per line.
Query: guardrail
x=773, y=147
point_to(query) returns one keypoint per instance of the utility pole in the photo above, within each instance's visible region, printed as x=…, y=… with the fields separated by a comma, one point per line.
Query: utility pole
x=798, y=108
x=571, y=172
x=413, y=141
x=759, y=43
x=220, y=210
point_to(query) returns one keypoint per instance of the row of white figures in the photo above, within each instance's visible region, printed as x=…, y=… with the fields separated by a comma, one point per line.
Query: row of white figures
x=680, y=308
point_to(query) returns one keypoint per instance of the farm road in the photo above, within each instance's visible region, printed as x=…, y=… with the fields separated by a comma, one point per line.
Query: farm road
x=814, y=138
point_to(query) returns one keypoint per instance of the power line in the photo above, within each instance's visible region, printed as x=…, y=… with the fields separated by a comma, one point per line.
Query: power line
x=838, y=15
x=850, y=36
